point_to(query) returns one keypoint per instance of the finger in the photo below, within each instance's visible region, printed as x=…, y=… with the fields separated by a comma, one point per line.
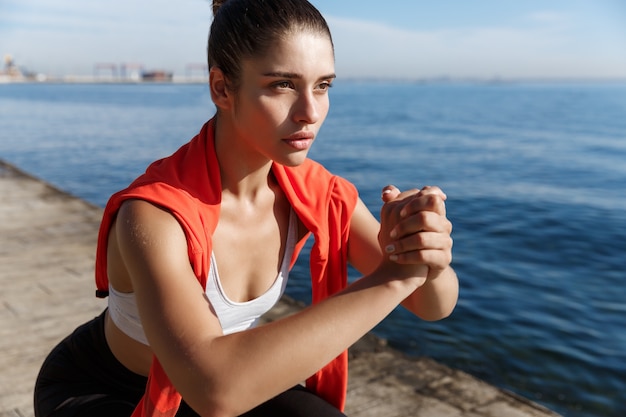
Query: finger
x=429, y=190
x=422, y=221
x=389, y=193
x=430, y=200
x=434, y=259
x=433, y=249
x=421, y=241
x=395, y=201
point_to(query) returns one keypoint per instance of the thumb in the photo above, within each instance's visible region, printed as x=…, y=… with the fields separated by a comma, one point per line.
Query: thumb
x=389, y=193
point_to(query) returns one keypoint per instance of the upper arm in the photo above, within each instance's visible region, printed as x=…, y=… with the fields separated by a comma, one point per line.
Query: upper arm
x=174, y=311
x=363, y=248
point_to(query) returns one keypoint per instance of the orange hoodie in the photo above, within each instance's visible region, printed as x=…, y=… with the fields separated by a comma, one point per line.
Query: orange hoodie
x=188, y=184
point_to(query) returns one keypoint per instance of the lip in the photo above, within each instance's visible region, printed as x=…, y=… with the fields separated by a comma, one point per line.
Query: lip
x=301, y=135
x=300, y=140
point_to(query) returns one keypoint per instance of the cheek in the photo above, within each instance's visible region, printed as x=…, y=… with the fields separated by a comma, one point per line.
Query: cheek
x=323, y=108
x=251, y=108
x=271, y=106
x=275, y=110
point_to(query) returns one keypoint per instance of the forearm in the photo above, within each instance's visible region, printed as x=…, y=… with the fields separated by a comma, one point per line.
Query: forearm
x=435, y=299
x=267, y=360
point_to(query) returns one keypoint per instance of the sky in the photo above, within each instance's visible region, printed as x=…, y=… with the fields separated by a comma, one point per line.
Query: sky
x=398, y=39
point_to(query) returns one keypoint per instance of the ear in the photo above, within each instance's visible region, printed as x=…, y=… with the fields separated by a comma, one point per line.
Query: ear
x=218, y=84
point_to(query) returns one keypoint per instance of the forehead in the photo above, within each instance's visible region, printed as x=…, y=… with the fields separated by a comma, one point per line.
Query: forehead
x=301, y=52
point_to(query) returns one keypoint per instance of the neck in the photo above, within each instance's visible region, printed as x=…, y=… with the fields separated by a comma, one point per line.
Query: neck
x=245, y=174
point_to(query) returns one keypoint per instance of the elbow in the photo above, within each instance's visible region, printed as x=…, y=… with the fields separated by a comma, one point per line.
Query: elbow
x=439, y=300
x=431, y=310
x=216, y=401
x=436, y=315
x=208, y=386
x=439, y=310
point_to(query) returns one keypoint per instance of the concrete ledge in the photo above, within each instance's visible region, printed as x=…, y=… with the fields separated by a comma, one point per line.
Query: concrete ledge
x=386, y=382
x=47, y=253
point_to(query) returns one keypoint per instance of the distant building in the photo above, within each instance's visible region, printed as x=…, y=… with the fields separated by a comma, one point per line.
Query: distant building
x=11, y=73
x=157, y=76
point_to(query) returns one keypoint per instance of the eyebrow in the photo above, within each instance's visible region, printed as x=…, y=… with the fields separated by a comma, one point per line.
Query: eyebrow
x=294, y=75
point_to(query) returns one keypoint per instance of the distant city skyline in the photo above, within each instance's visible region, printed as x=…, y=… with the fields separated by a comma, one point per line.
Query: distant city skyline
x=394, y=39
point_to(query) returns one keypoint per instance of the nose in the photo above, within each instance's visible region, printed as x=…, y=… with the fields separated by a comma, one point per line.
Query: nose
x=307, y=108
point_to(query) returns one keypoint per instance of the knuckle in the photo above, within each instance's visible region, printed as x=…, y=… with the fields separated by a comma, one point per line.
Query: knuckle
x=422, y=217
x=435, y=200
x=399, y=247
x=421, y=240
x=422, y=257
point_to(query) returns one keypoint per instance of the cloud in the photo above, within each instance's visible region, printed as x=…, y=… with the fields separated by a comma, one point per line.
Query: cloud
x=549, y=49
x=73, y=36
x=548, y=16
x=68, y=36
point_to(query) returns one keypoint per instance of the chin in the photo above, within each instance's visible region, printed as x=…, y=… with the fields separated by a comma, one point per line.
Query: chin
x=293, y=160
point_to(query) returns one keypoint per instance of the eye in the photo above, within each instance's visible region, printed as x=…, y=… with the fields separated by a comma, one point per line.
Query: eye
x=324, y=86
x=283, y=85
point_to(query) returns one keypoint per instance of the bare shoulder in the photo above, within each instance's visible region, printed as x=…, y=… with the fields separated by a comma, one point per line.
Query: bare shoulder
x=134, y=213
x=149, y=237
x=126, y=235
x=145, y=223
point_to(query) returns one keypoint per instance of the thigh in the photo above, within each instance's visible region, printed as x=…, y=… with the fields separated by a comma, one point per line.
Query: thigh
x=296, y=402
x=81, y=377
x=94, y=406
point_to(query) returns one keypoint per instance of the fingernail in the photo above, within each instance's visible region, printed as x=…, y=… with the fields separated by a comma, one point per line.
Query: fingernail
x=393, y=234
x=390, y=248
x=393, y=257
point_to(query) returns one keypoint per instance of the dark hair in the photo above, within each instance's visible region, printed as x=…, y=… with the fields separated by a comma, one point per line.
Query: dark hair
x=248, y=28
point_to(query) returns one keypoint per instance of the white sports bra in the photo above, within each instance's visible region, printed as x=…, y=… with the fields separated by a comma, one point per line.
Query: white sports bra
x=233, y=316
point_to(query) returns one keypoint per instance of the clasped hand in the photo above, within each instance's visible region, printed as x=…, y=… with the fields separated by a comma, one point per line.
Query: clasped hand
x=415, y=231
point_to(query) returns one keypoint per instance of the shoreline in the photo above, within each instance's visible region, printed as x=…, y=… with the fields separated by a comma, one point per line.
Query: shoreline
x=87, y=79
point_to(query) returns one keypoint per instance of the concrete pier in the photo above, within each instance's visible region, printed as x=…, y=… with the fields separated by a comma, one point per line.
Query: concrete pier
x=47, y=247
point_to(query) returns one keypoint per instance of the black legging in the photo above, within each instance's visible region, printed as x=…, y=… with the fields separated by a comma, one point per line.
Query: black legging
x=82, y=378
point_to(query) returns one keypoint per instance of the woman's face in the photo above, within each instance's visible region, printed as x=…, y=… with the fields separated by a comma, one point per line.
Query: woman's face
x=282, y=99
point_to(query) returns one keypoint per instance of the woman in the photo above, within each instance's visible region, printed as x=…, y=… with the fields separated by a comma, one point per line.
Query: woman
x=197, y=248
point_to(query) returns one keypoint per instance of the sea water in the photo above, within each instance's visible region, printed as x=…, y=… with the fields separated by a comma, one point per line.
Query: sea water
x=535, y=175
